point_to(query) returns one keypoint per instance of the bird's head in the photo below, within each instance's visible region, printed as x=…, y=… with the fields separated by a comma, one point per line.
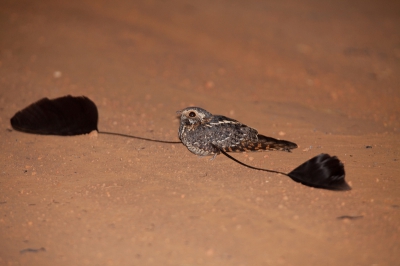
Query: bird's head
x=193, y=116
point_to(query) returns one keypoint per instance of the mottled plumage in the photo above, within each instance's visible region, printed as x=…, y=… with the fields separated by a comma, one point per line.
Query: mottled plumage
x=206, y=134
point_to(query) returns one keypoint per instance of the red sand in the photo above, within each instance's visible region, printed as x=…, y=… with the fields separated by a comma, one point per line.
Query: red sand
x=322, y=74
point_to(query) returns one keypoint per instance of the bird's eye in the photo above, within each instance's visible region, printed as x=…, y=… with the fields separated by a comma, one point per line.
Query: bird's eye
x=192, y=114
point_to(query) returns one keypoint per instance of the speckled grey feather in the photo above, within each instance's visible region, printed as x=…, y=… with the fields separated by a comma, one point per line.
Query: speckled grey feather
x=206, y=134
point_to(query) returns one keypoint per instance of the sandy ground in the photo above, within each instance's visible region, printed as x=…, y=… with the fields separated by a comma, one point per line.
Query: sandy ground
x=323, y=74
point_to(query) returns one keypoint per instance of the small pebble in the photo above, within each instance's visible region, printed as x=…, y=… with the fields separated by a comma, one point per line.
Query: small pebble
x=57, y=74
x=94, y=134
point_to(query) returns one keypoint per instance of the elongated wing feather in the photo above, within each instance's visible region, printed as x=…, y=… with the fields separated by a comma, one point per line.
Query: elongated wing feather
x=63, y=116
x=322, y=171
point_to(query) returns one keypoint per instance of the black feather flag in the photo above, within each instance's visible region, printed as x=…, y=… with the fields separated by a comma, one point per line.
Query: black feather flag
x=64, y=116
x=322, y=171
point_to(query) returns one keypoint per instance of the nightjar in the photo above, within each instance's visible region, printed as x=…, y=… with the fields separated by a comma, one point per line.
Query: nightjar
x=206, y=134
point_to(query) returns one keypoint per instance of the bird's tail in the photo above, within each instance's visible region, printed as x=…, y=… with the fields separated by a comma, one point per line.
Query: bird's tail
x=263, y=144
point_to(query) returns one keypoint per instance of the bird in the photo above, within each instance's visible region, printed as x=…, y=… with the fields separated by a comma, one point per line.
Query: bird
x=206, y=134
